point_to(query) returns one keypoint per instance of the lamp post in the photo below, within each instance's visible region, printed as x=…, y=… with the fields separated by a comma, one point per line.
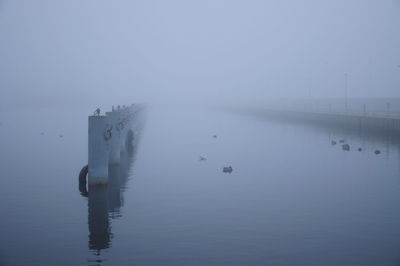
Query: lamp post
x=345, y=92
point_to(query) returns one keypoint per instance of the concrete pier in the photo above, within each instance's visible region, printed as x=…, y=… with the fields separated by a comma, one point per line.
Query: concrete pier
x=99, y=136
x=108, y=138
x=105, y=201
x=114, y=148
x=374, y=124
x=122, y=130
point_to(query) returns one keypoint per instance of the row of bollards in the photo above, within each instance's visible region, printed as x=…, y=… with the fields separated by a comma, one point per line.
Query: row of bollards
x=107, y=139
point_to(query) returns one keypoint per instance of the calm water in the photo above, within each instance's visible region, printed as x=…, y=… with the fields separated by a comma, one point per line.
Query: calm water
x=292, y=198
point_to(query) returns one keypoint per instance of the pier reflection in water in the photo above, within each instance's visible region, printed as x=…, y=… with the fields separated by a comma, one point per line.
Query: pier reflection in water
x=105, y=202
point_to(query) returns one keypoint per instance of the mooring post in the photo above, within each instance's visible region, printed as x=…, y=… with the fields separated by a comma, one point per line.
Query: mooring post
x=114, y=148
x=123, y=129
x=99, y=135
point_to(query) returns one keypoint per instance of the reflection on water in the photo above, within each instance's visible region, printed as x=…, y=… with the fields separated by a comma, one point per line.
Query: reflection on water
x=99, y=226
x=105, y=202
x=292, y=198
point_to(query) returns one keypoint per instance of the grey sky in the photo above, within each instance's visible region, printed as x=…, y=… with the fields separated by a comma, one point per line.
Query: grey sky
x=127, y=51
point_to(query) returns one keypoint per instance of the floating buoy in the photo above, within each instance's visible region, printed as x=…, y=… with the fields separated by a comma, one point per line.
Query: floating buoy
x=359, y=149
x=333, y=142
x=377, y=152
x=214, y=136
x=341, y=141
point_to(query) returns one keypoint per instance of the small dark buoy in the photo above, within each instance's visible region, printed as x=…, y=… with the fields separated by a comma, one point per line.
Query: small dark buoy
x=214, y=136
x=333, y=142
x=346, y=147
x=227, y=169
x=377, y=152
x=61, y=136
x=359, y=149
x=341, y=141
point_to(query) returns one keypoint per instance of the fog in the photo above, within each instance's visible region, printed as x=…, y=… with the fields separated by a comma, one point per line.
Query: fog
x=90, y=52
x=298, y=165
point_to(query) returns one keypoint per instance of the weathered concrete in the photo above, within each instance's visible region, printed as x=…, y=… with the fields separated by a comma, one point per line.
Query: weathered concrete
x=98, y=150
x=108, y=138
x=122, y=127
x=114, y=148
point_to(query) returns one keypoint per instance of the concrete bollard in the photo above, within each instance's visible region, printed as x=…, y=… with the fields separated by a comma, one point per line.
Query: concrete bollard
x=114, y=147
x=99, y=136
x=123, y=129
x=107, y=139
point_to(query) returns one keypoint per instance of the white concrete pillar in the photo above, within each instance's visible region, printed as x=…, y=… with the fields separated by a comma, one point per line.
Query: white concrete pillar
x=114, y=147
x=98, y=150
x=123, y=129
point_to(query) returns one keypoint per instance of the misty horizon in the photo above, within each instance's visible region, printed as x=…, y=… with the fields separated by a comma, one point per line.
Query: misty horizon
x=204, y=51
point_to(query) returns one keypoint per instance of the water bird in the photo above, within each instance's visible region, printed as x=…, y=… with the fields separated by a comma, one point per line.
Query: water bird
x=341, y=141
x=333, y=142
x=202, y=158
x=359, y=149
x=377, y=152
x=346, y=147
x=61, y=136
x=228, y=169
x=214, y=136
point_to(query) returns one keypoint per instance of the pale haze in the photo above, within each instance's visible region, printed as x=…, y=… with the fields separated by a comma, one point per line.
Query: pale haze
x=200, y=132
x=206, y=51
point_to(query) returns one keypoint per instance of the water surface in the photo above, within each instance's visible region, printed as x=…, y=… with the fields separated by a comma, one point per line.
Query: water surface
x=292, y=198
